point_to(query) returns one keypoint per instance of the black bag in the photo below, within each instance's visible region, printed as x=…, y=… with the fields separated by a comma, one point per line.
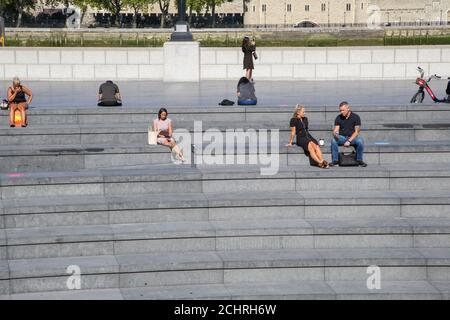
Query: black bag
x=226, y=102
x=348, y=159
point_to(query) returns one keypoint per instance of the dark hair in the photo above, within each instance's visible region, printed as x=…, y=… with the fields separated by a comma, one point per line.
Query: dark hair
x=161, y=111
x=343, y=103
x=243, y=80
x=245, y=41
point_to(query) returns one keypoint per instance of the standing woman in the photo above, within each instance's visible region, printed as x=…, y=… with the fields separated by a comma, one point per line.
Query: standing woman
x=248, y=48
x=163, y=127
x=299, y=128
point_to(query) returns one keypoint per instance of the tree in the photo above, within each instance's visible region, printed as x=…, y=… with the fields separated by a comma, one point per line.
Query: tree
x=195, y=5
x=16, y=8
x=137, y=6
x=113, y=6
x=164, y=6
x=213, y=4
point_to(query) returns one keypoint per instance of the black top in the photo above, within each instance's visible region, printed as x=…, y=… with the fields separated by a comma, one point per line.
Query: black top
x=347, y=126
x=303, y=136
x=108, y=91
x=20, y=97
x=301, y=127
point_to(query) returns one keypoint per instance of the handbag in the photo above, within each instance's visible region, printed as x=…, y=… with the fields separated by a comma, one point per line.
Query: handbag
x=348, y=159
x=4, y=105
x=152, y=137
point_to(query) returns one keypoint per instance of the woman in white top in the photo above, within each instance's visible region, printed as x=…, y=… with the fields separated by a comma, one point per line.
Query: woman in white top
x=164, y=129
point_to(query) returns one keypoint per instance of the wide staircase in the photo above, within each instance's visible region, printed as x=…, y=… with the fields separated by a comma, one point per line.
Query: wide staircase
x=81, y=188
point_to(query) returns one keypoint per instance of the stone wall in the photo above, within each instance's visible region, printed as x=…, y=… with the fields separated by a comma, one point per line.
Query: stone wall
x=347, y=63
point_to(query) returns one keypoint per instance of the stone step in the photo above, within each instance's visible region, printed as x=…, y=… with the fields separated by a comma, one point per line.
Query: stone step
x=294, y=290
x=32, y=158
x=227, y=267
x=244, y=206
x=218, y=179
x=280, y=234
x=137, y=134
x=277, y=113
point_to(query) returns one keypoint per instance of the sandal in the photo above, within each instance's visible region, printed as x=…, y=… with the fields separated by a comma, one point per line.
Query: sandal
x=324, y=165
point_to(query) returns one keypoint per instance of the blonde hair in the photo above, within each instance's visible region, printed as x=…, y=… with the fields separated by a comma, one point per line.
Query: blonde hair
x=297, y=109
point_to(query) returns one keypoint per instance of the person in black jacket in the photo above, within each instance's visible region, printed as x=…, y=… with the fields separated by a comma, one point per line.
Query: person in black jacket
x=248, y=48
x=299, y=127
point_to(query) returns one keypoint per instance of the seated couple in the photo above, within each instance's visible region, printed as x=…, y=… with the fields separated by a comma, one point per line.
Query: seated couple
x=347, y=128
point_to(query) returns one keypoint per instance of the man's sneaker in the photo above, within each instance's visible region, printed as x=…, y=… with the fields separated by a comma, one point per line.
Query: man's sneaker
x=362, y=164
x=333, y=164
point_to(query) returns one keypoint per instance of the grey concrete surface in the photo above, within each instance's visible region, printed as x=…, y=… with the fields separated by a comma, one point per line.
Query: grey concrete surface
x=141, y=227
x=210, y=93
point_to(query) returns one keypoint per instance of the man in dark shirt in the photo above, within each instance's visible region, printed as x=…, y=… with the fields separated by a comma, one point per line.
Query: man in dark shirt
x=109, y=95
x=347, y=127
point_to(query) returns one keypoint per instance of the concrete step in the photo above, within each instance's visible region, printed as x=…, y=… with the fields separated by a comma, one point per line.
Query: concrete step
x=295, y=290
x=32, y=158
x=124, y=133
x=227, y=267
x=277, y=113
x=218, y=179
x=244, y=206
x=72, y=241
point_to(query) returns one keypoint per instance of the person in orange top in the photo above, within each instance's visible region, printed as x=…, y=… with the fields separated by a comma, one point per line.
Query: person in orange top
x=18, y=101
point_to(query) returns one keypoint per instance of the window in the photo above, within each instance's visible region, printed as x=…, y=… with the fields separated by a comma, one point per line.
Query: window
x=254, y=8
x=264, y=7
x=324, y=7
x=362, y=6
x=289, y=8
x=349, y=7
x=307, y=8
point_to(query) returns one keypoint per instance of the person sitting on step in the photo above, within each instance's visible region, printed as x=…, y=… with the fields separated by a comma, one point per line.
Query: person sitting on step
x=17, y=101
x=163, y=127
x=299, y=128
x=246, y=93
x=109, y=95
x=347, y=128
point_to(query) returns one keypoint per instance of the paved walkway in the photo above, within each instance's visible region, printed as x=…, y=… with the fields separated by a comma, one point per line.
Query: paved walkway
x=208, y=94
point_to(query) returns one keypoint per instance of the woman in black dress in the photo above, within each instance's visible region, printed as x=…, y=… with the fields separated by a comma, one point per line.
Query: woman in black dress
x=299, y=128
x=248, y=48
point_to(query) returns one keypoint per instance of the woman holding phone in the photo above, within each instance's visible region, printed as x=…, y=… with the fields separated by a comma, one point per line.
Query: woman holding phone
x=249, y=50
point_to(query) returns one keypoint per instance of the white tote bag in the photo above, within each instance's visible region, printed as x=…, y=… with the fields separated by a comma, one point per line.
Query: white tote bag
x=152, y=137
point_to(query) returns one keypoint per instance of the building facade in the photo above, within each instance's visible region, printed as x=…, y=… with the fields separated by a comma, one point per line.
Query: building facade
x=323, y=12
